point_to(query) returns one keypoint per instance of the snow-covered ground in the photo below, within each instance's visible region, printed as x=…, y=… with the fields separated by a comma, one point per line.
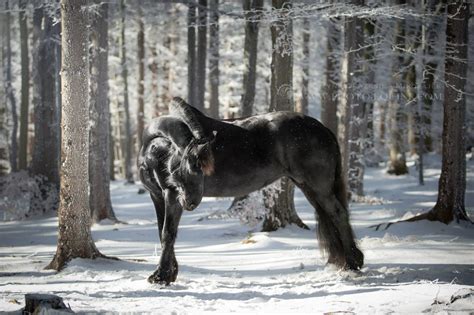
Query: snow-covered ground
x=227, y=267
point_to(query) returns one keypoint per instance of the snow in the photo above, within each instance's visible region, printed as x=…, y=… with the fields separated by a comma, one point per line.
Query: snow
x=228, y=267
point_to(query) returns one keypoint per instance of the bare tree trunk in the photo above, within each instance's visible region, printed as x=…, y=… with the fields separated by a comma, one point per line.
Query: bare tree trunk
x=153, y=67
x=397, y=163
x=99, y=177
x=201, y=56
x=353, y=105
x=302, y=105
x=127, y=138
x=329, y=99
x=252, y=10
x=191, y=52
x=169, y=71
x=4, y=151
x=46, y=147
x=7, y=59
x=141, y=78
x=450, y=204
x=214, y=58
x=280, y=204
x=74, y=239
x=25, y=88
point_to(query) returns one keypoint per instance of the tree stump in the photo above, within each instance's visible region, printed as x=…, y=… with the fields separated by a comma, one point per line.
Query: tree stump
x=34, y=302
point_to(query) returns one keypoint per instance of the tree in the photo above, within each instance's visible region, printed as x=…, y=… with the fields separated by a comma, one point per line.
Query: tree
x=452, y=182
x=330, y=88
x=280, y=203
x=99, y=115
x=127, y=138
x=4, y=151
x=214, y=58
x=191, y=51
x=302, y=105
x=74, y=238
x=141, y=77
x=252, y=10
x=397, y=163
x=353, y=105
x=201, y=55
x=25, y=88
x=7, y=64
x=46, y=147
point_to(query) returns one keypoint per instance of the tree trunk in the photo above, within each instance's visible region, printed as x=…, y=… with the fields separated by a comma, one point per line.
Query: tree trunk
x=4, y=150
x=214, y=58
x=25, y=88
x=252, y=9
x=396, y=116
x=127, y=137
x=7, y=59
x=74, y=239
x=452, y=183
x=329, y=99
x=46, y=147
x=201, y=56
x=302, y=104
x=353, y=106
x=141, y=78
x=153, y=67
x=99, y=177
x=191, y=52
x=280, y=203
x=168, y=70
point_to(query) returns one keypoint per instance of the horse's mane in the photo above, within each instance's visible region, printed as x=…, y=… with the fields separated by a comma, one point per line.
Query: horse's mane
x=190, y=115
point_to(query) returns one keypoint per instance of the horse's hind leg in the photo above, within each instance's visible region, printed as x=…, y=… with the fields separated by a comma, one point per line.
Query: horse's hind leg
x=335, y=232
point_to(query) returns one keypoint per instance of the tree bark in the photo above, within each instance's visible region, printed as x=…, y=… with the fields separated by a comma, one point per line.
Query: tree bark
x=169, y=71
x=127, y=137
x=302, y=104
x=252, y=10
x=452, y=183
x=280, y=203
x=46, y=147
x=141, y=78
x=352, y=104
x=99, y=177
x=214, y=59
x=191, y=52
x=7, y=59
x=74, y=238
x=201, y=55
x=25, y=88
x=396, y=116
x=329, y=99
x=4, y=150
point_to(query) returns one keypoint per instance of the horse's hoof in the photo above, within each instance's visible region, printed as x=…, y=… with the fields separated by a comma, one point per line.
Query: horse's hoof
x=164, y=276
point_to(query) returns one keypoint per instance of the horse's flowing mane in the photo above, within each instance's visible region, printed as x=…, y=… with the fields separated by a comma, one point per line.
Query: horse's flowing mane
x=190, y=115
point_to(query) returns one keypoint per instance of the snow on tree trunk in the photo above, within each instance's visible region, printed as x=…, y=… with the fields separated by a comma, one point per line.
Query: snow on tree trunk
x=252, y=10
x=396, y=116
x=302, y=104
x=4, y=151
x=46, y=146
x=191, y=51
x=99, y=177
x=141, y=78
x=330, y=88
x=280, y=202
x=127, y=136
x=452, y=183
x=7, y=62
x=201, y=55
x=353, y=106
x=214, y=58
x=74, y=238
x=25, y=88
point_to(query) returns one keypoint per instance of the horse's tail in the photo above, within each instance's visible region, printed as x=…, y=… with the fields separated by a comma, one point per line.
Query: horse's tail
x=340, y=187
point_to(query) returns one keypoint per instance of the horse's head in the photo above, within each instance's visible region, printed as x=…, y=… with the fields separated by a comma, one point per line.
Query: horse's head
x=195, y=162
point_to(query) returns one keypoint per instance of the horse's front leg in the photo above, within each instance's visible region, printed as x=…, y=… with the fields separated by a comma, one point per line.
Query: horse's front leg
x=167, y=270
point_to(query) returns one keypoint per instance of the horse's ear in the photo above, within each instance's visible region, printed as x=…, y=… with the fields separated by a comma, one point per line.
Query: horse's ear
x=206, y=157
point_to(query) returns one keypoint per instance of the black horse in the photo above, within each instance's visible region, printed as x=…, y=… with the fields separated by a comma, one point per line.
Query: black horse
x=188, y=155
